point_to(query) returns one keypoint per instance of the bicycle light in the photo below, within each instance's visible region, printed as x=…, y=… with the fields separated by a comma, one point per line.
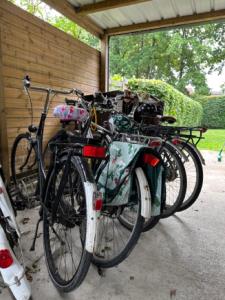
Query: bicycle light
x=150, y=159
x=94, y=151
x=6, y=259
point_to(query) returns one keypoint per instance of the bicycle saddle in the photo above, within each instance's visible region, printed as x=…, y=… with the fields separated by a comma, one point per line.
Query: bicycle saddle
x=70, y=113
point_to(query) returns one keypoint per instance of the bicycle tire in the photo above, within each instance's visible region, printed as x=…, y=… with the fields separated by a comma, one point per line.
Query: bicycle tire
x=169, y=209
x=134, y=235
x=189, y=201
x=85, y=260
x=21, y=186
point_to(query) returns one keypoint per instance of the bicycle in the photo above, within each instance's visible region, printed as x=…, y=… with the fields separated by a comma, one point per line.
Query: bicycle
x=12, y=267
x=67, y=214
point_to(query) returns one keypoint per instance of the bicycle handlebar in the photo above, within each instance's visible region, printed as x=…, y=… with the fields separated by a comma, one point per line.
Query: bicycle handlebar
x=27, y=85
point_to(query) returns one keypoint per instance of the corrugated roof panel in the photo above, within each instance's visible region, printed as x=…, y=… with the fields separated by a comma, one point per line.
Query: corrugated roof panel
x=219, y=4
x=164, y=8
x=184, y=7
x=121, y=18
x=108, y=19
x=203, y=6
x=134, y=13
x=149, y=11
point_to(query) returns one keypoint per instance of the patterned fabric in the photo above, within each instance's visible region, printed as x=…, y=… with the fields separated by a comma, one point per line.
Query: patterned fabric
x=69, y=112
x=121, y=123
x=115, y=180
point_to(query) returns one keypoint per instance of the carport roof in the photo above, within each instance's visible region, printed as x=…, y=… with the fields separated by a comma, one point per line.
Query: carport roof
x=123, y=16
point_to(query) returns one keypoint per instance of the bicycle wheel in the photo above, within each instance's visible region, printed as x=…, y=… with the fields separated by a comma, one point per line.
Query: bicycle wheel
x=194, y=170
x=176, y=180
x=24, y=168
x=114, y=240
x=64, y=231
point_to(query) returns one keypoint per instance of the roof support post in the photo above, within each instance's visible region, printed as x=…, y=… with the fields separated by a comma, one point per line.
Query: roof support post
x=104, y=64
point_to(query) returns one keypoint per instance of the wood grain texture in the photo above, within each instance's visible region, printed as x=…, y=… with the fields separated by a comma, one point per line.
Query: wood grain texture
x=51, y=58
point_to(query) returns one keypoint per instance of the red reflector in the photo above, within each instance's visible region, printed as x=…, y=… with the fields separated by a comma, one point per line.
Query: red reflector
x=98, y=204
x=93, y=151
x=151, y=159
x=6, y=259
x=1, y=190
x=176, y=141
x=154, y=144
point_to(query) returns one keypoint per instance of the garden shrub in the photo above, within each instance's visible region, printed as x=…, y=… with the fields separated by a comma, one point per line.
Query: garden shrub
x=213, y=111
x=187, y=111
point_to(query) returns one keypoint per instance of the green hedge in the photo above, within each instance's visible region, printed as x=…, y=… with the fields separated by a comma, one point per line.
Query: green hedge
x=213, y=111
x=188, y=112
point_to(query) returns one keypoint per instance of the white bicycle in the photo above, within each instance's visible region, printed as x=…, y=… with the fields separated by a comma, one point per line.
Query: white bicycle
x=11, y=270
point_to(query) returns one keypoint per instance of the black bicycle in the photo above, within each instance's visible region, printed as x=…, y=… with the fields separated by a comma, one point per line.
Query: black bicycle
x=68, y=195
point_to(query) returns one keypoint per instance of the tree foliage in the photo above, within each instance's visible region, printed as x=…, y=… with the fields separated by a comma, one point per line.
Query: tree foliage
x=179, y=57
x=187, y=111
x=43, y=11
x=213, y=111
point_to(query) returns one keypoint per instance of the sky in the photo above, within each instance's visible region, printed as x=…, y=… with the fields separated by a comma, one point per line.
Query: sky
x=214, y=80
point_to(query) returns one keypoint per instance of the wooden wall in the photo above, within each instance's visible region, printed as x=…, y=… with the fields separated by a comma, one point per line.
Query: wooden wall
x=51, y=58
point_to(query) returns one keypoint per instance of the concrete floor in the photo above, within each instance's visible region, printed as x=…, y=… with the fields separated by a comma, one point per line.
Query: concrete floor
x=183, y=257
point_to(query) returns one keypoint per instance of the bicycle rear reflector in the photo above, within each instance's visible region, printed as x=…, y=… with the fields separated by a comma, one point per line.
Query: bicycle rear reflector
x=93, y=151
x=1, y=190
x=151, y=159
x=154, y=144
x=6, y=259
x=176, y=141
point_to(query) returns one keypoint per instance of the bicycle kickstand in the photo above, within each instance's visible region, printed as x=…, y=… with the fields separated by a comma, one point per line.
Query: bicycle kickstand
x=32, y=248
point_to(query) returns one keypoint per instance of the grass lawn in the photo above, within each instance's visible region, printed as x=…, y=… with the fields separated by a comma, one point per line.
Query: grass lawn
x=214, y=140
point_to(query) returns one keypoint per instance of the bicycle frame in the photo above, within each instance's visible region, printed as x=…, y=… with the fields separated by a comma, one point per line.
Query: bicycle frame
x=89, y=186
x=37, y=142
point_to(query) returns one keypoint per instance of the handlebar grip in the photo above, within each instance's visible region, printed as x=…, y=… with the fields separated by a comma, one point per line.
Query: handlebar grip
x=26, y=81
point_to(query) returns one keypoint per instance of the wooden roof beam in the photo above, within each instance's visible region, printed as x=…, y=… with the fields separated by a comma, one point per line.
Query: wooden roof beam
x=168, y=23
x=105, y=5
x=69, y=11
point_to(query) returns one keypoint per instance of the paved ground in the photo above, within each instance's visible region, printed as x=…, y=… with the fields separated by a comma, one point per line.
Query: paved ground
x=183, y=257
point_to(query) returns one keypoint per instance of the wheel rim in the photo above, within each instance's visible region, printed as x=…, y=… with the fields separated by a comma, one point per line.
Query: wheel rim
x=66, y=233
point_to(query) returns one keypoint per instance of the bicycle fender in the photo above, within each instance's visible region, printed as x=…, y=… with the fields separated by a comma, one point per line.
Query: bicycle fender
x=90, y=190
x=14, y=276
x=145, y=193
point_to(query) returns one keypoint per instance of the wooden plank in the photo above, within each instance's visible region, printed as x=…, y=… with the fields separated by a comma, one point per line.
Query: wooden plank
x=58, y=37
x=105, y=5
x=51, y=58
x=28, y=66
x=68, y=10
x=11, y=74
x=64, y=8
x=4, y=152
x=104, y=64
x=15, y=48
x=52, y=64
x=25, y=42
x=168, y=23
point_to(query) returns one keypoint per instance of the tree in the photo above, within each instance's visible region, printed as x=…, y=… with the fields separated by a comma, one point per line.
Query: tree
x=180, y=56
x=46, y=13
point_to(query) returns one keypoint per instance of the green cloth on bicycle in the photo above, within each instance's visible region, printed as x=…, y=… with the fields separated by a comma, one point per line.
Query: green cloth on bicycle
x=115, y=180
